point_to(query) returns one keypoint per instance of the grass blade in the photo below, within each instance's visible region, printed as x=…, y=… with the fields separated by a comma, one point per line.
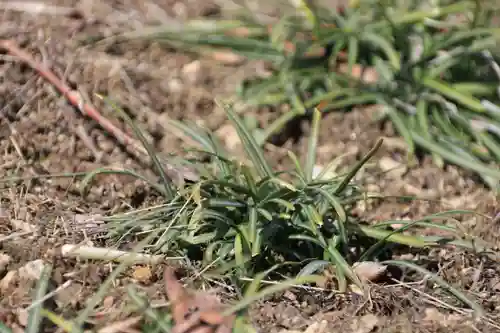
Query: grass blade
x=251, y=147
x=345, y=181
x=312, y=145
x=35, y=313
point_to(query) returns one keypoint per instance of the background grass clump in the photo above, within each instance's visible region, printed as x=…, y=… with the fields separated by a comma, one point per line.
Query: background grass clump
x=433, y=67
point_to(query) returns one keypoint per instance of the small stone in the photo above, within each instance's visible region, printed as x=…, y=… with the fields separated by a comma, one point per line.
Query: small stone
x=317, y=169
x=193, y=72
x=108, y=302
x=179, y=9
x=229, y=136
x=4, y=261
x=289, y=295
x=392, y=168
x=68, y=296
x=172, y=86
x=106, y=145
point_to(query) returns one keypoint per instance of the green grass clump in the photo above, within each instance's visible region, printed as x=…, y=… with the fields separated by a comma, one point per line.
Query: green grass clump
x=437, y=78
x=244, y=218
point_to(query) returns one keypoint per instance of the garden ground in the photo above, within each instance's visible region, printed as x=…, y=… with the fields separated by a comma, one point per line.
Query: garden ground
x=41, y=133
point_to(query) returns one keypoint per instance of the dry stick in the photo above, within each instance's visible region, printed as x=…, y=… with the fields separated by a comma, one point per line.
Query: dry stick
x=74, y=97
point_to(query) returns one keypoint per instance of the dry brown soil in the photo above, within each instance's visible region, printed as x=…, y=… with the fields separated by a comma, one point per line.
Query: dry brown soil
x=40, y=133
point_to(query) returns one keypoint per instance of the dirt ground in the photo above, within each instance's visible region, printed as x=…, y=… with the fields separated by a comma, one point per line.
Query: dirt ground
x=40, y=133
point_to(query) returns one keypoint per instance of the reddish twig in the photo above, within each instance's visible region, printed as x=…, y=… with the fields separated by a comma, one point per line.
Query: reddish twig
x=75, y=98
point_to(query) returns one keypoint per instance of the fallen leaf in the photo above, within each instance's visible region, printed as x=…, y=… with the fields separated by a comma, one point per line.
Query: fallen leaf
x=194, y=312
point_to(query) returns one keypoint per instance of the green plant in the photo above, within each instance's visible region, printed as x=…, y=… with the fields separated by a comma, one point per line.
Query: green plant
x=436, y=78
x=241, y=218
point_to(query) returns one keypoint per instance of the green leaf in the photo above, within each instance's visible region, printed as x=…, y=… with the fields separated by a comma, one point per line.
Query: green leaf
x=35, y=313
x=352, y=53
x=385, y=46
x=298, y=168
x=402, y=129
x=350, y=175
x=313, y=267
x=339, y=210
x=449, y=92
x=422, y=116
x=251, y=147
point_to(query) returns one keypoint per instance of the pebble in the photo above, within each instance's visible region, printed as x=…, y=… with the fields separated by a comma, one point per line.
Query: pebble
x=172, y=86
x=392, y=168
x=229, y=136
x=193, y=72
x=4, y=261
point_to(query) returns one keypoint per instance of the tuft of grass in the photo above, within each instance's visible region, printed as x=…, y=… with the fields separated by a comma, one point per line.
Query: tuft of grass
x=436, y=76
x=244, y=219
